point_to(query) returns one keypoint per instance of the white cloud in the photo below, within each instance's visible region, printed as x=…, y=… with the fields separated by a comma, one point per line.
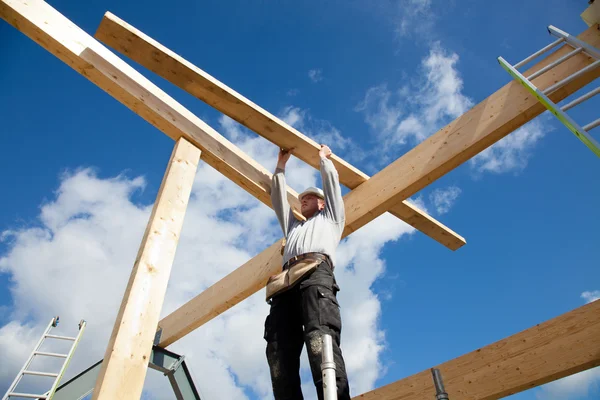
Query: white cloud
x=575, y=386
x=415, y=18
x=77, y=260
x=315, y=75
x=418, y=202
x=322, y=131
x=379, y=113
x=512, y=152
x=591, y=296
x=444, y=199
x=413, y=113
x=572, y=387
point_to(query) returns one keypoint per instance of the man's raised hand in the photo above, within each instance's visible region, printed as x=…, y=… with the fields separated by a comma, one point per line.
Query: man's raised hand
x=325, y=151
x=283, y=157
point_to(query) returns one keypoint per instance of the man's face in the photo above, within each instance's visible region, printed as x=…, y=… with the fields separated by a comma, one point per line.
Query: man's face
x=310, y=204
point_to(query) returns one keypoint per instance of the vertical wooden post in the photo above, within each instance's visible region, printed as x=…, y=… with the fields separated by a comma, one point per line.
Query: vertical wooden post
x=126, y=359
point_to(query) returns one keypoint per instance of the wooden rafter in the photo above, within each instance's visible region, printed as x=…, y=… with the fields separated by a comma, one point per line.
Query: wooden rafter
x=129, y=41
x=57, y=34
x=126, y=359
x=491, y=120
x=562, y=346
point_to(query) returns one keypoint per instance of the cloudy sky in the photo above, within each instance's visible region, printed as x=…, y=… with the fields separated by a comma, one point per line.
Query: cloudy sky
x=80, y=173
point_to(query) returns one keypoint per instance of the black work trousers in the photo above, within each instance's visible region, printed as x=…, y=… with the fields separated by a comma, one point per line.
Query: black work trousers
x=299, y=316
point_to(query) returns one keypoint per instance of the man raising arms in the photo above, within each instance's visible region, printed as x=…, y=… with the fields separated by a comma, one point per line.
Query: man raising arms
x=301, y=313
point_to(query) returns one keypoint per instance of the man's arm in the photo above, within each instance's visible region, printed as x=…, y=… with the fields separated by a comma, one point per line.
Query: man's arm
x=279, y=192
x=334, y=203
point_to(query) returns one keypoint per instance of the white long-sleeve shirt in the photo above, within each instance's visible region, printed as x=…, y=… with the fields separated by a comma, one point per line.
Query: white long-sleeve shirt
x=320, y=233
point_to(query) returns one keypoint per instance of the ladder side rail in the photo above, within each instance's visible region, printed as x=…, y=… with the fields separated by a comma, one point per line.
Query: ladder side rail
x=574, y=41
x=67, y=360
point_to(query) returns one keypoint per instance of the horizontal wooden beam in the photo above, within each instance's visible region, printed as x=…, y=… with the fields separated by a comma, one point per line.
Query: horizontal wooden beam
x=560, y=347
x=50, y=29
x=146, y=51
x=497, y=116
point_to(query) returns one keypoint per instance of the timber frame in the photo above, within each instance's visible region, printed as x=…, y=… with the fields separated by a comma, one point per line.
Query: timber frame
x=565, y=345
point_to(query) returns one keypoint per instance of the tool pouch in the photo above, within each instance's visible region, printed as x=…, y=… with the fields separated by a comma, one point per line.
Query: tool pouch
x=285, y=280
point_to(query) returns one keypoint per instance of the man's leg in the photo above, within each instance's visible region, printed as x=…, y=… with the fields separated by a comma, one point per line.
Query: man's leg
x=283, y=333
x=321, y=315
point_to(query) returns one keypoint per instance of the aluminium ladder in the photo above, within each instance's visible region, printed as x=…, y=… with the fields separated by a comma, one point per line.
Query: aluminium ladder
x=36, y=352
x=578, y=46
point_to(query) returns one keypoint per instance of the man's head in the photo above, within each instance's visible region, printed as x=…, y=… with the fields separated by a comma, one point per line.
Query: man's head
x=312, y=200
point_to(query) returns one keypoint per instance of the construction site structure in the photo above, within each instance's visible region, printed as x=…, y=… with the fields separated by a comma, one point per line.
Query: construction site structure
x=551, y=350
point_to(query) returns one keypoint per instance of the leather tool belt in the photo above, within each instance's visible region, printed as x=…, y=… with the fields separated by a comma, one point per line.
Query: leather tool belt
x=294, y=269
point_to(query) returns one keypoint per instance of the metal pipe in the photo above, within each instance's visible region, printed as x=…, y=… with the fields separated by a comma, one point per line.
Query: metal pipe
x=328, y=369
x=542, y=51
x=592, y=125
x=440, y=392
x=581, y=99
x=568, y=79
x=555, y=63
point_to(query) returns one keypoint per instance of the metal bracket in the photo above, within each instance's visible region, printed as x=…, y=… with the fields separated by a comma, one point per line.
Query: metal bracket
x=172, y=365
x=157, y=336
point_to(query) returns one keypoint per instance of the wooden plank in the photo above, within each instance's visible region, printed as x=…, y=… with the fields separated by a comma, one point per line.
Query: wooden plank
x=494, y=118
x=562, y=346
x=218, y=298
x=47, y=27
x=126, y=359
x=131, y=42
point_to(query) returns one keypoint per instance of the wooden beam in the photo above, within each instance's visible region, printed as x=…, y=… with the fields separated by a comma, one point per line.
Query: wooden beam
x=129, y=41
x=126, y=359
x=560, y=347
x=494, y=118
x=47, y=27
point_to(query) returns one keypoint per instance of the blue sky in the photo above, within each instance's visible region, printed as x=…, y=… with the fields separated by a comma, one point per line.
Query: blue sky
x=80, y=171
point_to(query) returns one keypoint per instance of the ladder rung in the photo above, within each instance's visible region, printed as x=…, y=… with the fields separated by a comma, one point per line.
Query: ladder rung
x=60, y=337
x=555, y=63
x=581, y=99
x=40, y=373
x=568, y=79
x=542, y=51
x=27, y=395
x=43, y=353
x=592, y=125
